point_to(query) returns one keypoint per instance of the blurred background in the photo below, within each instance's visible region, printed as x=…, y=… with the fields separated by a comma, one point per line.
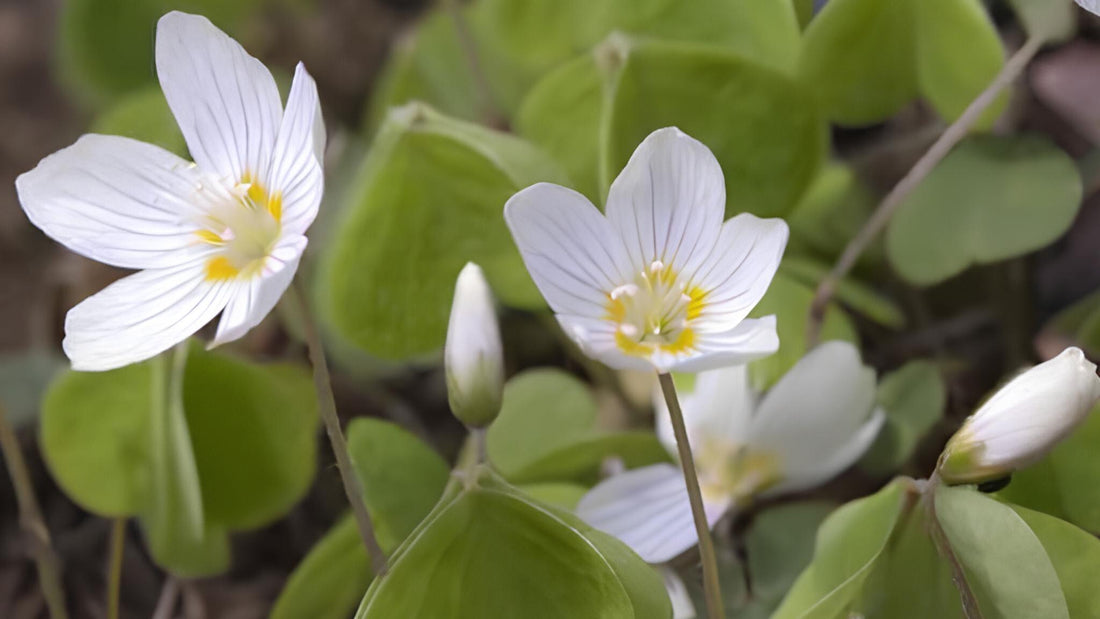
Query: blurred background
x=67, y=68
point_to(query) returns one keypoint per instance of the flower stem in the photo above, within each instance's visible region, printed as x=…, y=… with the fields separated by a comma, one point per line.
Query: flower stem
x=943, y=546
x=30, y=518
x=327, y=405
x=114, y=576
x=712, y=589
x=885, y=210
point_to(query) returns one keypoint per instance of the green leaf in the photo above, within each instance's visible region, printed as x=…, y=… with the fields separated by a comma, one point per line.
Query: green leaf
x=1066, y=483
x=1074, y=554
x=854, y=294
x=789, y=300
x=105, y=47
x=489, y=552
x=1052, y=21
x=175, y=528
x=143, y=115
x=1080, y=322
x=1004, y=561
x=780, y=544
x=330, y=581
x=913, y=398
x=760, y=125
x=849, y=544
x=429, y=197
x=402, y=478
x=235, y=452
x=958, y=55
x=254, y=430
x=830, y=214
x=867, y=59
x=546, y=432
x=1003, y=197
x=563, y=495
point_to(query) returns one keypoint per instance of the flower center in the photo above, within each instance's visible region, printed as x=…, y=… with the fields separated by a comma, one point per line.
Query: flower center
x=735, y=470
x=245, y=228
x=654, y=312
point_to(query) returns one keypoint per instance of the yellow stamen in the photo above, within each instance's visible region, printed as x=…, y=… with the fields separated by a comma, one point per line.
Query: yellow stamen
x=219, y=268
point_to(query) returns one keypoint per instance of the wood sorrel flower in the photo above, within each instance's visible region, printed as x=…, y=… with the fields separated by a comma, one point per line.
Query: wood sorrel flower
x=223, y=234
x=660, y=282
x=1023, y=420
x=814, y=423
x=473, y=357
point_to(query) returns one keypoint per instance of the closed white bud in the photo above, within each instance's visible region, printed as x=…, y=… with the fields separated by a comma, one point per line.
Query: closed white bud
x=473, y=357
x=1023, y=420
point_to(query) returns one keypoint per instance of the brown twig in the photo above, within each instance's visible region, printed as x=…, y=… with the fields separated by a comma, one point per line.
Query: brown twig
x=30, y=518
x=931, y=158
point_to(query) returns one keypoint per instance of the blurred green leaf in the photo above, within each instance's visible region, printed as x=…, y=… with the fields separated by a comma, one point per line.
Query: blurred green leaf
x=143, y=115
x=1074, y=554
x=242, y=437
x=1066, y=483
x=593, y=113
x=487, y=551
x=913, y=398
x=1005, y=563
x=402, y=478
x=1051, y=20
x=545, y=431
x=780, y=544
x=429, y=198
x=866, y=59
x=24, y=378
x=830, y=213
x=563, y=495
x=857, y=296
x=1080, y=322
x=992, y=198
x=789, y=300
x=330, y=581
x=175, y=528
x=849, y=545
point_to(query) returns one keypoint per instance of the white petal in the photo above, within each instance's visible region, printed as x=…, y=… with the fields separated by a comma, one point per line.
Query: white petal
x=296, y=165
x=648, y=509
x=141, y=316
x=813, y=411
x=253, y=299
x=682, y=606
x=596, y=338
x=1092, y=6
x=116, y=200
x=1024, y=419
x=668, y=202
x=737, y=274
x=225, y=101
x=720, y=408
x=568, y=247
x=834, y=463
x=749, y=340
x=473, y=355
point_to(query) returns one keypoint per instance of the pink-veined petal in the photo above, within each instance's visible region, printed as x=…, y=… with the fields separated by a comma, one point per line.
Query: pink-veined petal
x=668, y=202
x=253, y=299
x=596, y=338
x=142, y=315
x=116, y=200
x=225, y=101
x=740, y=269
x=297, y=163
x=648, y=509
x=568, y=248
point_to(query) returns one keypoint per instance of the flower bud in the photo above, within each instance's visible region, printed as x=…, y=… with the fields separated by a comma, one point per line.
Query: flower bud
x=473, y=357
x=1023, y=420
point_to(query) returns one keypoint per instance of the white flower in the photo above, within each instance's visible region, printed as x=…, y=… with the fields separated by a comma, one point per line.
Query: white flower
x=1091, y=6
x=817, y=420
x=682, y=606
x=1020, y=423
x=473, y=357
x=223, y=234
x=660, y=282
